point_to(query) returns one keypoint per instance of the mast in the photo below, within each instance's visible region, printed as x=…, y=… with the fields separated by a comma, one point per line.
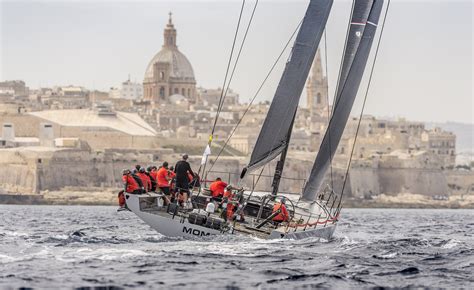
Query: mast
x=276, y=130
x=281, y=163
x=342, y=108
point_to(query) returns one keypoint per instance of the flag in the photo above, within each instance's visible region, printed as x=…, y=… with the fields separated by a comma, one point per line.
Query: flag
x=206, y=153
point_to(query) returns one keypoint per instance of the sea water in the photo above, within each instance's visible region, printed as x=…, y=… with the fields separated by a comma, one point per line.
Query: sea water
x=95, y=246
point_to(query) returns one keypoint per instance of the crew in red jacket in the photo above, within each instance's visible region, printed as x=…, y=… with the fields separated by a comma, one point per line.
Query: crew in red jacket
x=129, y=183
x=145, y=179
x=283, y=216
x=217, y=188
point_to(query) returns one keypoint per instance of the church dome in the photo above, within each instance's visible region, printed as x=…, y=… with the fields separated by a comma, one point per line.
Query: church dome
x=180, y=66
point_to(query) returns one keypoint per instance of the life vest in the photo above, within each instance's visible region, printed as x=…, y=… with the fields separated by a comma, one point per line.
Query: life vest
x=283, y=216
x=130, y=183
x=217, y=188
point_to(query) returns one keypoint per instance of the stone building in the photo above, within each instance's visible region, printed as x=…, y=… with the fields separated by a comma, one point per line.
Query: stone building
x=65, y=97
x=14, y=88
x=101, y=128
x=128, y=90
x=211, y=97
x=442, y=144
x=169, y=72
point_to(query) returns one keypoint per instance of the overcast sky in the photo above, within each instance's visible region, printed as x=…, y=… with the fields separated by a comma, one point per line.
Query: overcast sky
x=423, y=71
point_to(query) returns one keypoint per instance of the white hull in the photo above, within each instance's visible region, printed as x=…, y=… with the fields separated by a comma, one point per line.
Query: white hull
x=165, y=224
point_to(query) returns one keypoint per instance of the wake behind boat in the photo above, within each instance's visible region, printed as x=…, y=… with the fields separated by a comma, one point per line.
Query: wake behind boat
x=314, y=212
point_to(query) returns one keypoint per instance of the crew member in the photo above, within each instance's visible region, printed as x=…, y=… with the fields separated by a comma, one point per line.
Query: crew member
x=145, y=179
x=163, y=179
x=134, y=174
x=217, y=189
x=182, y=168
x=130, y=185
x=121, y=201
x=152, y=176
x=283, y=215
x=228, y=198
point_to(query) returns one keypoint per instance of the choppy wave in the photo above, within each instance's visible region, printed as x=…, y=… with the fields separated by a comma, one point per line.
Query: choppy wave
x=73, y=247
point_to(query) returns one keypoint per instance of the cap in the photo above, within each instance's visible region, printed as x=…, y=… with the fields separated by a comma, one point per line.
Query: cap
x=142, y=169
x=185, y=156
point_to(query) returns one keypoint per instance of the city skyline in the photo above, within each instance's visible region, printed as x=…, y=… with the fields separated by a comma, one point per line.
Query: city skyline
x=90, y=44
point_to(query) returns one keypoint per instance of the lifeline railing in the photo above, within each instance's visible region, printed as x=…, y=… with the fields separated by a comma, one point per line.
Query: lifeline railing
x=233, y=178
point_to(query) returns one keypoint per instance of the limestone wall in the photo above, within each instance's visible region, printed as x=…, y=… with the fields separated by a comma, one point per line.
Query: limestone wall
x=460, y=182
x=373, y=181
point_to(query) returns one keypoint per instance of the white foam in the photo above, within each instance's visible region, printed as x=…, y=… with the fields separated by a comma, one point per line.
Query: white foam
x=452, y=243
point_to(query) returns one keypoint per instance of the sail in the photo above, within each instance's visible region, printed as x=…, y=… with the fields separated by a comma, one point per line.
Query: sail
x=273, y=136
x=359, y=16
x=343, y=107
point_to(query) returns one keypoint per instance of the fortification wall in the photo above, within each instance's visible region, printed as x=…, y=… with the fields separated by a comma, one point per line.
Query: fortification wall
x=392, y=181
x=460, y=182
x=364, y=182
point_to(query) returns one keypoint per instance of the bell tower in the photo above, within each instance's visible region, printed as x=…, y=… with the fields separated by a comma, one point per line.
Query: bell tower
x=317, y=87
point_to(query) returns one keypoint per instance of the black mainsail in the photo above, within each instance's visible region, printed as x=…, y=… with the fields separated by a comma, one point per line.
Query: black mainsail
x=275, y=133
x=359, y=16
x=342, y=108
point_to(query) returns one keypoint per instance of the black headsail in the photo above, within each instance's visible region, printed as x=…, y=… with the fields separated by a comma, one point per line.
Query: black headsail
x=343, y=106
x=274, y=135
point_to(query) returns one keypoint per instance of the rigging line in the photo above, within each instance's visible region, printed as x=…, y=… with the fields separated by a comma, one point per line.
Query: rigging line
x=256, y=94
x=229, y=62
x=223, y=86
x=363, y=107
x=327, y=101
x=221, y=103
x=342, y=57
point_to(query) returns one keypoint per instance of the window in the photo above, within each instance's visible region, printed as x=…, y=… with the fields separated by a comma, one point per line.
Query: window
x=183, y=92
x=162, y=75
x=162, y=92
x=176, y=90
x=318, y=98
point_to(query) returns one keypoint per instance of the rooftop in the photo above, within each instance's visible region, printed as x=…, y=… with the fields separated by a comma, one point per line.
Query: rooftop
x=129, y=123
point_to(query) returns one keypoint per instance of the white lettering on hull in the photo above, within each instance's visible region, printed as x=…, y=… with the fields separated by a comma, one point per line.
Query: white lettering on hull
x=195, y=232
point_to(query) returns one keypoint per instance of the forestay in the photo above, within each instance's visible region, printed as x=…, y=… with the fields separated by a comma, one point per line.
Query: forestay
x=343, y=106
x=273, y=136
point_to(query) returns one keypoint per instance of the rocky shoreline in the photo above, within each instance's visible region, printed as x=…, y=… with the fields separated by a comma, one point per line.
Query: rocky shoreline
x=97, y=196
